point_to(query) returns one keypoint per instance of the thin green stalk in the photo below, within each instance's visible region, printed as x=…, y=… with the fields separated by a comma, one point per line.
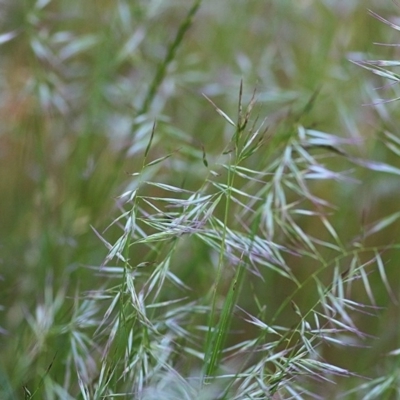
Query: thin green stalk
x=225, y=320
x=211, y=353
x=169, y=57
x=161, y=71
x=217, y=334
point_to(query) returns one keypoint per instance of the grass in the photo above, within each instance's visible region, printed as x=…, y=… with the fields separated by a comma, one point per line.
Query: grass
x=201, y=201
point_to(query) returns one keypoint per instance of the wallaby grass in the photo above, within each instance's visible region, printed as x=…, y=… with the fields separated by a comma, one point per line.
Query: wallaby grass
x=170, y=232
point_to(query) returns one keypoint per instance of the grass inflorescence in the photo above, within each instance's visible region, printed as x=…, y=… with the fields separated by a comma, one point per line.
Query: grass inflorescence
x=198, y=205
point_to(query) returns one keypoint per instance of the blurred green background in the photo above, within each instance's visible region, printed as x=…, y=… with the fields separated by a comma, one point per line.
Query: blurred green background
x=74, y=76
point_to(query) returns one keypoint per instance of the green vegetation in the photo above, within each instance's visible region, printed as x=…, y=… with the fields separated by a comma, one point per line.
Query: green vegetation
x=199, y=200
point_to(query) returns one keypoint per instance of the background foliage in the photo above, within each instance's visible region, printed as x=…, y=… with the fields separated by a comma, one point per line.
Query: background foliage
x=82, y=84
